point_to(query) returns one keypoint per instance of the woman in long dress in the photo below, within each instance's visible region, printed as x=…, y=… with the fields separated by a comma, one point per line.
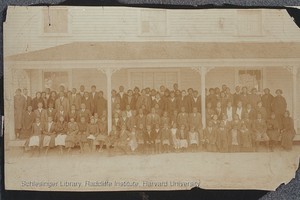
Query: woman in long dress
x=61, y=129
x=19, y=107
x=34, y=142
x=273, y=131
x=288, y=132
x=72, y=138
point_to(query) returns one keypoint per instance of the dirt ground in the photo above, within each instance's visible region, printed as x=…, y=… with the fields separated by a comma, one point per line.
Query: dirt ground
x=100, y=172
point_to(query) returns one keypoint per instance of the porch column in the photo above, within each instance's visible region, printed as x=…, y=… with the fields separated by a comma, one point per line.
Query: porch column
x=295, y=102
x=203, y=96
x=294, y=70
x=9, y=121
x=202, y=71
x=108, y=71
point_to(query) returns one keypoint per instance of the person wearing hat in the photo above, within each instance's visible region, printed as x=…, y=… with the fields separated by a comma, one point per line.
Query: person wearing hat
x=279, y=105
x=267, y=100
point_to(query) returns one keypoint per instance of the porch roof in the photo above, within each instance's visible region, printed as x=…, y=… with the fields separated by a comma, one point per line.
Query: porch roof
x=161, y=50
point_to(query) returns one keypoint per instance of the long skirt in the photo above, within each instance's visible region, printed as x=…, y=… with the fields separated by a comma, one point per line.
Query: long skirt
x=49, y=140
x=273, y=135
x=287, y=139
x=166, y=142
x=25, y=133
x=83, y=137
x=262, y=137
x=60, y=139
x=71, y=140
x=133, y=144
x=183, y=143
x=34, y=141
x=175, y=142
x=101, y=137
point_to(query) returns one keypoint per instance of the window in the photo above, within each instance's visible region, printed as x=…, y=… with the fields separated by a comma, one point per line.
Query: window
x=153, y=78
x=153, y=23
x=251, y=78
x=55, y=21
x=55, y=79
x=249, y=22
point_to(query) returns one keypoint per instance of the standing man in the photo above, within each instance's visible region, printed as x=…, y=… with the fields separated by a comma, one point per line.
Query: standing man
x=19, y=107
x=62, y=101
x=74, y=99
x=93, y=98
x=267, y=100
x=28, y=99
x=122, y=96
x=101, y=104
x=279, y=106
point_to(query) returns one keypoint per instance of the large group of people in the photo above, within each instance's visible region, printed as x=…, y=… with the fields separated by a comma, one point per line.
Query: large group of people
x=153, y=121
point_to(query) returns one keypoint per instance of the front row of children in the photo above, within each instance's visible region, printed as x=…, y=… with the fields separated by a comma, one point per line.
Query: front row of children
x=240, y=137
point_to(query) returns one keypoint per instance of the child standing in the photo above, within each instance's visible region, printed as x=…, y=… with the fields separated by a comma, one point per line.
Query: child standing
x=234, y=139
x=165, y=138
x=222, y=138
x=193, y=139
x=182, y=136
x=72, y=139
x=93, y=131
x=148, y=140
x=273, y=131
x=82, y=133
x=246, y=138
x=157, y=139
x=133, y=139
x=210, y=137
x=175, y=137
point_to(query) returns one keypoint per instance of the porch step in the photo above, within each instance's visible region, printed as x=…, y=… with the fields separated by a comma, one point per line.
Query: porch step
x=16, y=143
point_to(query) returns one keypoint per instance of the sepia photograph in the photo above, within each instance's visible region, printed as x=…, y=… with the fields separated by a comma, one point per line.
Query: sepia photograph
x=120, y=98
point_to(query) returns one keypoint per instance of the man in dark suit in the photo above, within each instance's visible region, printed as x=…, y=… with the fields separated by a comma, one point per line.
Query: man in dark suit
x=28, y=99
x=122, y=96
x=74, y=99
x=101, y=103
x=196, y=101
x=62, y=101
x=93, y=98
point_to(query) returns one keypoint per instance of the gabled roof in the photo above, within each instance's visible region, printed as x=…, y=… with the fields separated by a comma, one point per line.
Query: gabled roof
x=161, y=50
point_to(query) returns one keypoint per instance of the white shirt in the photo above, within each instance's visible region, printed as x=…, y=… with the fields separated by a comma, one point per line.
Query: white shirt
x=239, y=112
x=49, y=126
x=229, y=113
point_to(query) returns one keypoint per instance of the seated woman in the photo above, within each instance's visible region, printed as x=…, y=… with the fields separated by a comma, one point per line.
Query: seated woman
x=133, y=139
x=111, y=138
x=288, y=132
x=101, y=138
x=35, y=138
x=93, y=131
x=182, y=137
x=193, y=139
x=49, y=134
x=61, y=129
x=82, y=133
x=123, y=139
x=72, y=138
